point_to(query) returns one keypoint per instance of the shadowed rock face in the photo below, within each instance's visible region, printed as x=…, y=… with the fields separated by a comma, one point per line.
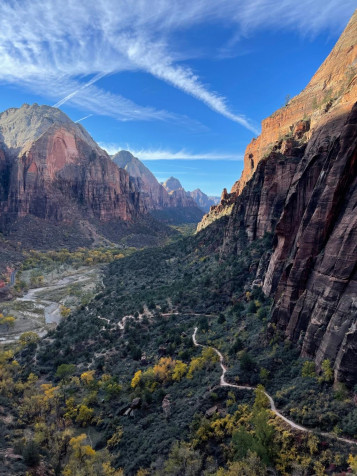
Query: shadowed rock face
x=52, y=169
x=203, y=201
x=313, y=270
x=332, y=88
x=304, y=191
x=308, y=200
x=156, y=196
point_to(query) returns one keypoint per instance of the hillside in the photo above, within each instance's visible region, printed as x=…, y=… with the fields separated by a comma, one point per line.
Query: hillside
x=229, y=352
x=174, y=208
x=57, y=182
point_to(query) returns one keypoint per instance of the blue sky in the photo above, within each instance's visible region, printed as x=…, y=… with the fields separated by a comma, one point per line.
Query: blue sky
x=182, y=84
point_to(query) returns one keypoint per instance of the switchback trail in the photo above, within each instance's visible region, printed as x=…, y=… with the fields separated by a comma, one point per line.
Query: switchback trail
x=223, y=383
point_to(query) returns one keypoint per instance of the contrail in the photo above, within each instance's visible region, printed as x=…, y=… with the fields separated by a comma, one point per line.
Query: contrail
x=70, y=96
x=82, y=119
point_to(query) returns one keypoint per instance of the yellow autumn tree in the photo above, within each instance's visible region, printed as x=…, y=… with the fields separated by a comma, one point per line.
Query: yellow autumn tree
x=88, y=377
x=136, y=379
x=85, y=461
x=164, y=368
x=179, y=371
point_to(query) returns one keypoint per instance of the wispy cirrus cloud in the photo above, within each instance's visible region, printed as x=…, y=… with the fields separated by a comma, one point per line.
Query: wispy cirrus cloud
x=165, y=154
x=53, y=47
x=83, y=118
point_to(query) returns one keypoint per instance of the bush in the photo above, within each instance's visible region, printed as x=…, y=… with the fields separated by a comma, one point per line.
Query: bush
x=31, y=454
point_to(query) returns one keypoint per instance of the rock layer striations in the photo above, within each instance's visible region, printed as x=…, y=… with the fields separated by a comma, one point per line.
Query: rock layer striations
x=51, y=169
x=300, y=184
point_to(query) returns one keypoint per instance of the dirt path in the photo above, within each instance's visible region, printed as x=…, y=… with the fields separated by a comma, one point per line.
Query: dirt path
x=223, y=383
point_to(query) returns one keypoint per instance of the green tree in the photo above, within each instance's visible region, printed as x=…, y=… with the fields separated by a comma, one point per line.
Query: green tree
x=261, y=400
x=308, y=369
x=327, y=372
x=64, y=373
x=221, y=318
x=183, y=461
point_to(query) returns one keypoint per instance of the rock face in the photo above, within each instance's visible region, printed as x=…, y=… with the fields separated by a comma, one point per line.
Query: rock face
x=313, y=271
x=330, y=87
x=51, y=169
x=300, y=184
x=202, y=200
x=170, y=197
x=178, y=194
x=152, y=192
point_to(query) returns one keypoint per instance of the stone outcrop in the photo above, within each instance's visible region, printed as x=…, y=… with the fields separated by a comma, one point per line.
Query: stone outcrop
x=223, y=208
x=51, y=169
x=332, y=87
x=169, y=197
x=203, y=201
x=300, y=184
x=177, y=194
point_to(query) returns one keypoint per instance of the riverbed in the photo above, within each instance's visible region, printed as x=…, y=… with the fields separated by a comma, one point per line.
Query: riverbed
x=39, y=309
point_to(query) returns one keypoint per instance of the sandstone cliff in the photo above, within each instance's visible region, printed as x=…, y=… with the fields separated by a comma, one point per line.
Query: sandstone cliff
x=168, y=203
x=300, y=184
x=331, y=88
x=52, y=170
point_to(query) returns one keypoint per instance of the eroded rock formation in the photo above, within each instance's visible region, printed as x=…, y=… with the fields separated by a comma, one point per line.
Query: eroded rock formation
x=52, y=169
x=300, y=184
x=332, y=88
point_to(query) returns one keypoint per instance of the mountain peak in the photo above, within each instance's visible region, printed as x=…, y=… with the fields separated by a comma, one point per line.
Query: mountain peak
x=172, y=184
x=24, y=125
x=135, y=168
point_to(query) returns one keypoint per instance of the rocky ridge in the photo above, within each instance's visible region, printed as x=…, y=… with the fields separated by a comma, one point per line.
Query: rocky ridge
x=301, y=185
x=52, y=170
x=177, y=193
x=168, y=205
x=155, y=195
x=203, y=201
x=329, y=90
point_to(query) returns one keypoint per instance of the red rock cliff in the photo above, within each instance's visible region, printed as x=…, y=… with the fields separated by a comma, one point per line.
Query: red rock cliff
x=300, y=183
x=332, y=87
x=52, y=169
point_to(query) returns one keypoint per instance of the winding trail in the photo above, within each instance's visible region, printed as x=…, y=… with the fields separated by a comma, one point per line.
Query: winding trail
x=223, y=383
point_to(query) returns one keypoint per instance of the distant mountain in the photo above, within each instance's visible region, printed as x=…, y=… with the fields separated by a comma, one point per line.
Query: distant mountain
x=172, y=184
x=177, y=193
x=152, y=192
x=203, y=201
x=58, y=187
x=174, y=187
x=167, y=204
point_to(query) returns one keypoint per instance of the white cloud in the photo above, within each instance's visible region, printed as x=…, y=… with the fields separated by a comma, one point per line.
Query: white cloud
x=163, y=154
x=53, y=47
x=83, y=118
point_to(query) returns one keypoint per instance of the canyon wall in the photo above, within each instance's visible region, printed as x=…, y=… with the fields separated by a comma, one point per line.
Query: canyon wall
x=51, y=169
x=300, y=184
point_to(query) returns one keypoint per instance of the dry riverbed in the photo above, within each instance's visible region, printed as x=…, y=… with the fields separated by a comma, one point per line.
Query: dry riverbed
x=39, y=309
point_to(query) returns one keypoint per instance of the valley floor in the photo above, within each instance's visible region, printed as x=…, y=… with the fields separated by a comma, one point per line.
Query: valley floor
x=39, y=309
x=168, y=369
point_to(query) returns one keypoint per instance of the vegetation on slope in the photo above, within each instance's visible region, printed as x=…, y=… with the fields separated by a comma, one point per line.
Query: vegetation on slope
x=119, y=383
